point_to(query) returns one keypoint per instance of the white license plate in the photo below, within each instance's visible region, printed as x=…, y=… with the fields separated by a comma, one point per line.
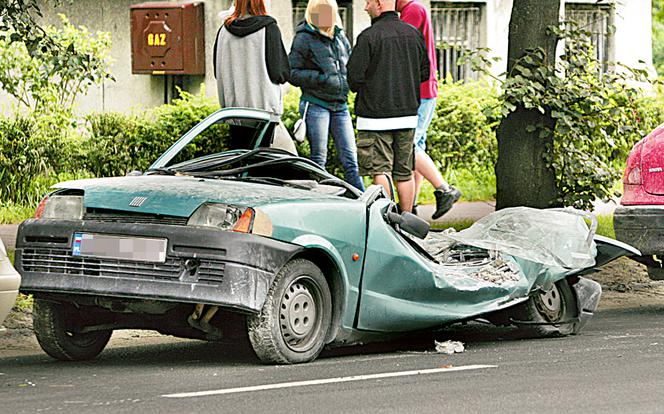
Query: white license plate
x=119, y=247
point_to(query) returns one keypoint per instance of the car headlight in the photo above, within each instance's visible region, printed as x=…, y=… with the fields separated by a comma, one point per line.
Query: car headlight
x=65, y=207
x=232, y=218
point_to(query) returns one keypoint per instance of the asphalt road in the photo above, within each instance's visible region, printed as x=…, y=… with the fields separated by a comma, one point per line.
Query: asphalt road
x=616, y=365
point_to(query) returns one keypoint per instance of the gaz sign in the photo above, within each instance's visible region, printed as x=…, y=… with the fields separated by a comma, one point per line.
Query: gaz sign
x=156, y=39
x=156, y=35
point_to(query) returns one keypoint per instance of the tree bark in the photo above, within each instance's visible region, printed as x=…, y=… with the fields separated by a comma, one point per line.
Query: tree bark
x=522, y=177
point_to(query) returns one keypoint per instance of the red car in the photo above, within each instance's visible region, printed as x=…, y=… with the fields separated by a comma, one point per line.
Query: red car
x=639, y=220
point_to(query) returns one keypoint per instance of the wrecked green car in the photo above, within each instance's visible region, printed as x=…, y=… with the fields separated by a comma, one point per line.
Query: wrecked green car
x=262, y=244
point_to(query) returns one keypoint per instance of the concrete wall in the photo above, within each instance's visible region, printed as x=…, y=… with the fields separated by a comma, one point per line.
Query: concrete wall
x=632, y=43
x=633, y=37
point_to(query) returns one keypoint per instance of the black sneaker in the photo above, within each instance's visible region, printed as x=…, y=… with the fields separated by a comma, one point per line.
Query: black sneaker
x=414, y=210
x=445, y=200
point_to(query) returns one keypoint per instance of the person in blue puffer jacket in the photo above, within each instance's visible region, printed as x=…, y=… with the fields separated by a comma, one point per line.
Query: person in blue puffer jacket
x=317, y=59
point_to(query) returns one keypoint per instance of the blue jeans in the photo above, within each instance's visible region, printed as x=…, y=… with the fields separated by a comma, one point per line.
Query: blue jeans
x=424, y=116
x=321, y=122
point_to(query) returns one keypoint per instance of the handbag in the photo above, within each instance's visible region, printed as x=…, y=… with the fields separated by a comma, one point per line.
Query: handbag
x=300, y=127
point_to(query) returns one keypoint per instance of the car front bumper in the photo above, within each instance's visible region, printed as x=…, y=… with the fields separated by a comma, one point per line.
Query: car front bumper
x=229, y=269
x=641, y=227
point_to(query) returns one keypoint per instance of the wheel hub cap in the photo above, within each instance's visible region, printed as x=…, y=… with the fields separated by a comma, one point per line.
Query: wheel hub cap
x=298, y=312
x=550, y=303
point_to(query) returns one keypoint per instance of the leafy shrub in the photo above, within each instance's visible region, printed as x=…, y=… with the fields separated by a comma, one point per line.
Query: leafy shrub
x=37, y=147
x=49, y=79
x=597, y=116
x=119, y=143
x=111, y=148
x=162, y=126
x=462, y=132
x=25, y=155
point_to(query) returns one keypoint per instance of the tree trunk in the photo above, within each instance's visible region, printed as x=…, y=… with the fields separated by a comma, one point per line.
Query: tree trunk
x=522, y=177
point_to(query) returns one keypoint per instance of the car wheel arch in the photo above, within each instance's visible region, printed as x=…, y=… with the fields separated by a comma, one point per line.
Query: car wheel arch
x=332, y=272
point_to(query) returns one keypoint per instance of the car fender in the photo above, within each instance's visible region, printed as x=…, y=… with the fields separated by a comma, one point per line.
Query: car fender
x=349, y=291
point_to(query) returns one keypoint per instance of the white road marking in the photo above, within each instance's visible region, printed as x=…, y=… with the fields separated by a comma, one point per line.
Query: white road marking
x=326, y=381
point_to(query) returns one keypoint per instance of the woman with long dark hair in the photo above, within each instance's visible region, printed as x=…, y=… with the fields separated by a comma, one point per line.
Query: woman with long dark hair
x=250, y=61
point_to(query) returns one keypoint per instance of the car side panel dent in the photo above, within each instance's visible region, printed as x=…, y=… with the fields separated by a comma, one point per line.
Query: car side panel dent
x=349, y=290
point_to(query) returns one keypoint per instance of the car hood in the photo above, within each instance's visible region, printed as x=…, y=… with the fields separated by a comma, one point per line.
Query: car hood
x=180, y=196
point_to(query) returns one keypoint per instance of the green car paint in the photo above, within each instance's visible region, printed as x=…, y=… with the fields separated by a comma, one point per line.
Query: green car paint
x=386, y=283
x=403, y=291
x=179, y=196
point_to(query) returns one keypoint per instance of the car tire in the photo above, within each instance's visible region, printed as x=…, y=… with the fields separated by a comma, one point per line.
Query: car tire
x=536, y=317
x=293, y=323
x=655, y=273
x=50, y=325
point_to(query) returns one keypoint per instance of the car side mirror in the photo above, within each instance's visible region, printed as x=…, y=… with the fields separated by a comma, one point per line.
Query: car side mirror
x=134, y=173
x=410, y=223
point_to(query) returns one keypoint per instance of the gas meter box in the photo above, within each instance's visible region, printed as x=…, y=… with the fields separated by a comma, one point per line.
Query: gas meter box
x=168, y=38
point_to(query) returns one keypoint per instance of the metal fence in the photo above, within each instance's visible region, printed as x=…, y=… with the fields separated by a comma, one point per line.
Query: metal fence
x=596, y=20
x=456, y=27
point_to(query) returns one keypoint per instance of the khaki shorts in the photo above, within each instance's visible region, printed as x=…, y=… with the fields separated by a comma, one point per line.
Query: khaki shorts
x=386, y=152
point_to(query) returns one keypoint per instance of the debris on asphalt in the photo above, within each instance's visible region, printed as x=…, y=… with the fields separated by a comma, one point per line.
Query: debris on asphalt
x=449, y=347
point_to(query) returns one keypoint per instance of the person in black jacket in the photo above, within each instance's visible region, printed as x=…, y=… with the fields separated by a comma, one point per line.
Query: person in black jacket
x=387, y=65
x=318, y=59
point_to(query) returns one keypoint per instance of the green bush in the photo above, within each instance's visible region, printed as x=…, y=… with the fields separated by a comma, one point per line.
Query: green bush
x=111, y=148
x=47, y=80
x=462, y=132
x=597, y=116
x=26, y=155
x=119, y=143
x=461, y=140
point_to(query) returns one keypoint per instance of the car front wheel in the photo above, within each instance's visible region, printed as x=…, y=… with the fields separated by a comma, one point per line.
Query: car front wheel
x=293, y=323
x=50, y=322
x=550, y=313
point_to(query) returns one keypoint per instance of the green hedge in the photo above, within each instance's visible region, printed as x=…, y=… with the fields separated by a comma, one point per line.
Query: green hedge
x=119, y=143
x=29, y=159
x=461, y=137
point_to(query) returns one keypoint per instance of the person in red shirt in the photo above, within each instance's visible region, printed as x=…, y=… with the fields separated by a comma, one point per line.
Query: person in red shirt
x=416, y=14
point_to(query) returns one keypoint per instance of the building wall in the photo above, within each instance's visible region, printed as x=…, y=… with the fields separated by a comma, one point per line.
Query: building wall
x=633, y=37
x=632, y=43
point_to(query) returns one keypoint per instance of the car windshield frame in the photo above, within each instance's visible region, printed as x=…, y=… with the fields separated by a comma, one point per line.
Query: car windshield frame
x=215, y=118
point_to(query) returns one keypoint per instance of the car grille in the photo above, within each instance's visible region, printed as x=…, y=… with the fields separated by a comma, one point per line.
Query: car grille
x=61, y=261
x=129, y=217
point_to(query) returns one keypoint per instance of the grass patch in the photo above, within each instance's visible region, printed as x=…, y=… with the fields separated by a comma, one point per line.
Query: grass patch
x=23, y=302
x=476, y=185
x=15, y=213
x=458, y=225
x=605, y=226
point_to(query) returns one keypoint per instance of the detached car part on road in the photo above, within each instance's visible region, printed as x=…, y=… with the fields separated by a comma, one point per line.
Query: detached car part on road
x=263, y=244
